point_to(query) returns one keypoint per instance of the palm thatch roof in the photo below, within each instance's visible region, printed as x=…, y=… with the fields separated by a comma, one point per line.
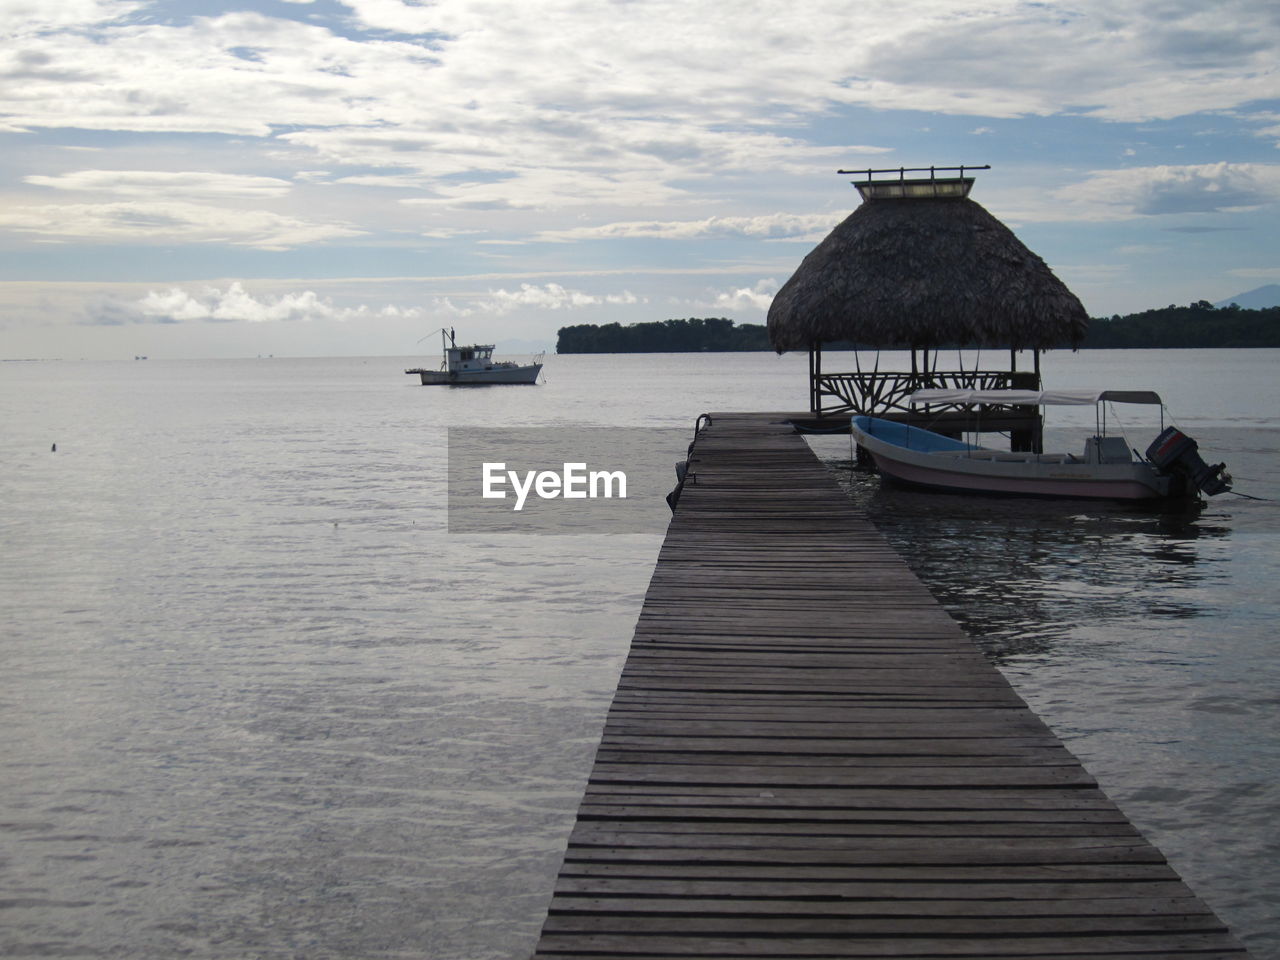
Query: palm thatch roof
x=924, y=272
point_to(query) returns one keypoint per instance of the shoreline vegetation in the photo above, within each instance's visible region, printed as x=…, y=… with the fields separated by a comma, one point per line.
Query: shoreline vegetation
x=1199, y=324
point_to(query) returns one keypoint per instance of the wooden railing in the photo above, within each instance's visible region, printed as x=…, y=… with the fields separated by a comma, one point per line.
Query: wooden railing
x=877, y=393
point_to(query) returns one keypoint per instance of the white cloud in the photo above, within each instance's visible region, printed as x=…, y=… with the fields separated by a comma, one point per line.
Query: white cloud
x=548, y=296
x=1269, y=121
x=214, y=304
x=164, y=221
x=999, y=58
x=784, y=226
x=757, y=298
x=1144, y=60
x=1164, y=190
x=239, y=73
x=446, y=233
x=19, y=18
x=156, y=183
x=1161, y=190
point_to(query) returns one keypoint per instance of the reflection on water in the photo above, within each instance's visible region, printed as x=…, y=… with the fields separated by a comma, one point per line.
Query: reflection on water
x=1015, y=571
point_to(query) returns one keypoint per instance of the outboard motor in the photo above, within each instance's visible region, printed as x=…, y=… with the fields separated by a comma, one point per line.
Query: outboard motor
x=1174, y=452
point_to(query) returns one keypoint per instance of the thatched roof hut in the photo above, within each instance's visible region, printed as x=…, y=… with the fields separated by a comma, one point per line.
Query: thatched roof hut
x=924, y=271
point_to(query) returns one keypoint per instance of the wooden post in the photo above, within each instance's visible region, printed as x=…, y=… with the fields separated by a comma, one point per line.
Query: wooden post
x=815, y=377
x=813, y=396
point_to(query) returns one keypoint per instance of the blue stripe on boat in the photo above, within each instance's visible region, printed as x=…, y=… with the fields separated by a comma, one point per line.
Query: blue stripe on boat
x=908, y=437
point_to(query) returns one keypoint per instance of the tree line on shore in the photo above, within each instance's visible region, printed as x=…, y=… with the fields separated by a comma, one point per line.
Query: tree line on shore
x=1198, y=324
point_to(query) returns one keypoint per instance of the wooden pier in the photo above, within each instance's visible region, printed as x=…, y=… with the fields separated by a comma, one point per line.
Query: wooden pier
x=807, y=758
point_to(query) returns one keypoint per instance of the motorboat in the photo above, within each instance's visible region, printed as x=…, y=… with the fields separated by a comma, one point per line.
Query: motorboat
x=1108, y=468
x=474, y=365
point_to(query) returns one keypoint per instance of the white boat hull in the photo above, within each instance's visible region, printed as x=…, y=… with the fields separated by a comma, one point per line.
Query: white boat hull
x=980, y=470
x=496, y=375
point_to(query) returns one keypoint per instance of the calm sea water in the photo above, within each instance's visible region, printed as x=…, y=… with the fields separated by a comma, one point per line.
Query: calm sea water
x=258, y=704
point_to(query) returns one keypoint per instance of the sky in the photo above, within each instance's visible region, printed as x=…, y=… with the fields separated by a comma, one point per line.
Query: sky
x=235, y=178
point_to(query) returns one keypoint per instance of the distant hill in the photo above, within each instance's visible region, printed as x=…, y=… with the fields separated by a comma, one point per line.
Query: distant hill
x=1259, y=299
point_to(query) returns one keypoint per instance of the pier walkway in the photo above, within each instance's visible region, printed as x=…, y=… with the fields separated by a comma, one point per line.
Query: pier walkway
x=807, y=758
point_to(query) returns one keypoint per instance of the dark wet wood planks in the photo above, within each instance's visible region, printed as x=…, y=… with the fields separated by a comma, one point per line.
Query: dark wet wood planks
x=806, y=757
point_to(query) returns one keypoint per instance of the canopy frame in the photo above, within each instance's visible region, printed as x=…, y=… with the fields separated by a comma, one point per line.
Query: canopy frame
x=969, y=399
x=1033, y=397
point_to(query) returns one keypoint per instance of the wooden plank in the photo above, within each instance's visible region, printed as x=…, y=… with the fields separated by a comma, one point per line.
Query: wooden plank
x=1168, y=944
x=1029, y=747
x=831, y=775
x=875, y=798
x=632, y=954
x=955, y=926
x=654, y=810
x=752, y=880
x=964, y=895
x=870, y=851
x=799, y=724
x=946, y=906
x=831, y=759
x=758, y=829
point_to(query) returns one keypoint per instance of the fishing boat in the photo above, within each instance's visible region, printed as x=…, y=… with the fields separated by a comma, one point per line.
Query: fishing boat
x=1108, y=468
x=474, y=365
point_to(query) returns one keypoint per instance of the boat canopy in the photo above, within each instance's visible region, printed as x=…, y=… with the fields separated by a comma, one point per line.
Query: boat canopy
x=1036, y=397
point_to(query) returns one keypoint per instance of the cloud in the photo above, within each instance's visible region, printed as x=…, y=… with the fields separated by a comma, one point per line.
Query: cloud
x=758, y=297
x=19, y=18
x=1269, y=120
x=232, y=304
x=157, y=183
x=1192, y=228
x=1141, y=249
x=165, y=221
x=635, y=107
x=1165, y=190
x=240, y=73
x=548, y=296
x=1149, y=59
x=1155, y=191
x=775, y=226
